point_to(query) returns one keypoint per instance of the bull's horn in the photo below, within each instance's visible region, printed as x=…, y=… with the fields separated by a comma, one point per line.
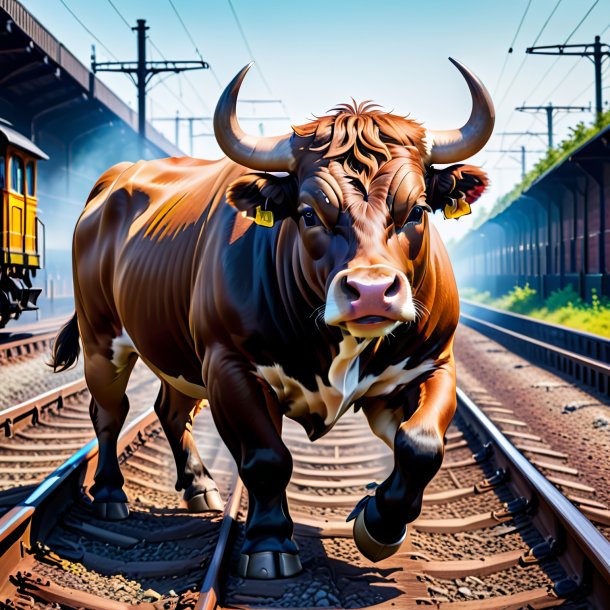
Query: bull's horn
x=272, y=154
x=451, y=145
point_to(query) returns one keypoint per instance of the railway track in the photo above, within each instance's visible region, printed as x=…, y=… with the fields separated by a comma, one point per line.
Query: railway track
x=494, y=533
x=53, y=550
x=580, y=355
x=37, y=436
x=28, y=339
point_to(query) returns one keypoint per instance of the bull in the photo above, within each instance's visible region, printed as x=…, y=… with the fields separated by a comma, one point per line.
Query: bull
x=298, y=276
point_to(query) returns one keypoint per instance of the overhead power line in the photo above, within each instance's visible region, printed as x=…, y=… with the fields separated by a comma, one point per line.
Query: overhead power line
x=552, y=66
x=177, y=120
x=549, y=70
x=190, y=36
x=110, y=53
x=154, y=46
x=537, y=134
x=186, y=30
x=509, y=88
x=118, y=12
x=521, y=150
x=550, y=113
x=512, y=44
x=580, y=22
x=595, y=51
x=141, y=71
x=563, y=79
x=247, y=44
x=546, y=22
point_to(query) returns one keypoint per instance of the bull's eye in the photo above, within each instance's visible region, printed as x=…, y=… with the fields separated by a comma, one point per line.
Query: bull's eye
x=416, y=214
x=310, y=217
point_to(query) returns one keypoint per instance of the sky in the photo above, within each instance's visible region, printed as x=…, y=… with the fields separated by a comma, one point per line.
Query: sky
x=313, y=55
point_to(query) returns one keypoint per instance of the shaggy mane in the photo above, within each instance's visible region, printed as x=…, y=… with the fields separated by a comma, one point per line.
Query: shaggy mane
x=360, y=133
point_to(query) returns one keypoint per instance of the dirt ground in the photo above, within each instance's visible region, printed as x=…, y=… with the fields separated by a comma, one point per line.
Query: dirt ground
x=29, y=376
x=571, y=419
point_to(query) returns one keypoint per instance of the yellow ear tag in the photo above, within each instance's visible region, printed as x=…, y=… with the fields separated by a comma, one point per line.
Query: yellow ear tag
x=457, y=208
x=264, y=218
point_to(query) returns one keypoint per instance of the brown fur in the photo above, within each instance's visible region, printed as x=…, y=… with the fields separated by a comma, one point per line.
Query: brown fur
x=360, y=134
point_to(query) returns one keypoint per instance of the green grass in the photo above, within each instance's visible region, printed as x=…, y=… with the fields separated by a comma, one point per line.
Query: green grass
x=561, y=307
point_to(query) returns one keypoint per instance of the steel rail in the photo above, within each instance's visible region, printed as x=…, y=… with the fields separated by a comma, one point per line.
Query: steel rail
x=589, y=371
x=25, y=344
x=596, y=365
x=578, y=528
x=33, y=407
x=16, y=524
x=209, y=594
x=534, y=322
x=529, y=482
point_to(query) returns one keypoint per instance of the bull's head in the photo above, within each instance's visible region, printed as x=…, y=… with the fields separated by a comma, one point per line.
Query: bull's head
x=359, y=184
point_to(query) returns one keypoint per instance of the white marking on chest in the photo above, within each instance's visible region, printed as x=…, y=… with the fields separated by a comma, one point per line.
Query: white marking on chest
x=330, y=402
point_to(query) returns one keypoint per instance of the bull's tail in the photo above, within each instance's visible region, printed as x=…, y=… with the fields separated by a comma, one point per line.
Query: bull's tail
x=66, y=347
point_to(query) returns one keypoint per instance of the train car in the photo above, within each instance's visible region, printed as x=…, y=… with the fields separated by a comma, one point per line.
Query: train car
x=21, y=231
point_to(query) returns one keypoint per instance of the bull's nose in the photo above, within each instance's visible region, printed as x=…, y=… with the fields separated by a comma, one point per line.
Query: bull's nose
x=369, y=301
x=365, y=293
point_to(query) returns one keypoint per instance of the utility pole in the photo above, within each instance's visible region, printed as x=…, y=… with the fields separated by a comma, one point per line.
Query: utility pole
x=550, y=109
x=176, y=129
x=522, y=151
x=538, y=134
x=521, y=133
x=141, y=71
x=595, y=51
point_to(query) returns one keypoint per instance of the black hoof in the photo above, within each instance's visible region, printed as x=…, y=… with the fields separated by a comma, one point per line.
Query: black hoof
x=206, y=501
x=268, y=564
x=111, y=511
x=373, y=549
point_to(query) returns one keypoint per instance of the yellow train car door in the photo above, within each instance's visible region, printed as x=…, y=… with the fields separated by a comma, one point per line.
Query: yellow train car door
x=16, y=208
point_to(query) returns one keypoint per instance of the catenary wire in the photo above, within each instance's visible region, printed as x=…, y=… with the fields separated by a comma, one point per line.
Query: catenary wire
x=581, y=21
x=512, y=44
x=247, y=45
x=116, y=10
x=546, y=23
x=163, y=79
x=542, y=29
x=548, y=71
x=249, y=49
x=110, y=53
x=188, y=33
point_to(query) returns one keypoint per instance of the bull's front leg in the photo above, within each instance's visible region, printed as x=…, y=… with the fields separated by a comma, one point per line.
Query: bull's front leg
x=380, y=526
x=249, y=420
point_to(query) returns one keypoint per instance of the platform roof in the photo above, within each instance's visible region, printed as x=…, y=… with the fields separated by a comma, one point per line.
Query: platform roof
x=47, y=84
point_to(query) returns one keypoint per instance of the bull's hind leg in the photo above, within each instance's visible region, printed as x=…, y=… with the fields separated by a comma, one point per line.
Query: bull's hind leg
x=249, y=419
x=380, y=525
x=176, y=412
x=109, y=406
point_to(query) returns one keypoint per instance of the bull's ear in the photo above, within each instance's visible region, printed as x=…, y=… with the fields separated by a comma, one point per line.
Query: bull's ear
x=454, y=188
x=275, y=195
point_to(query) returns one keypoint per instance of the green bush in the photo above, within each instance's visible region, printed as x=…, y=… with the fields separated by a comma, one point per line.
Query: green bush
x=561, y=307
x=472, y=294
x=518, y=300
x=563, y=298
